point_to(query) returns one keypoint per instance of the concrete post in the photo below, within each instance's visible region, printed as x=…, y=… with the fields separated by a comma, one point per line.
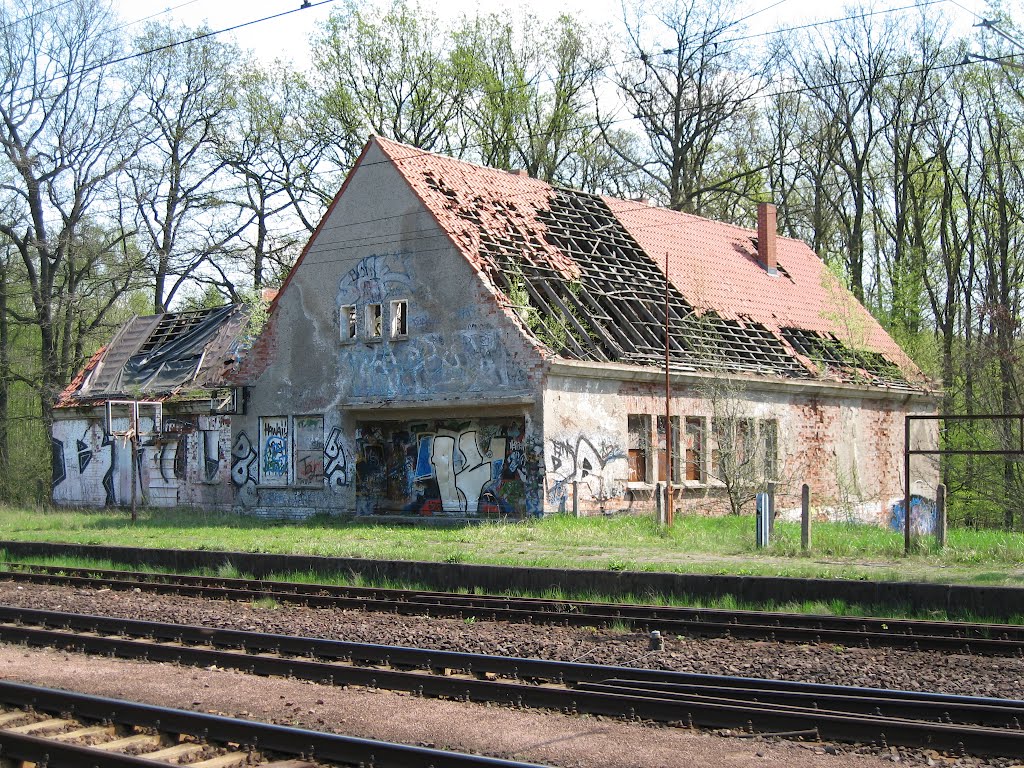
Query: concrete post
x=805, y=517
x=940, y=516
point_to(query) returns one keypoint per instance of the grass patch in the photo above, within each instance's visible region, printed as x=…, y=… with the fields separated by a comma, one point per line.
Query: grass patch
x=834, y=607
x=693, y=545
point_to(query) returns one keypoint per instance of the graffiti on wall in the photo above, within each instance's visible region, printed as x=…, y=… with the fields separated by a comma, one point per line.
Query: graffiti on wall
x=60, y=473
x=338, y=467
x=274, y=450
x=923, y=516
x=309, y=450
x=244, y=463
x=591, y=466
x=468, y=360
x=472, y=467
x=471, y=358
x=374, y=279
x=86, y=475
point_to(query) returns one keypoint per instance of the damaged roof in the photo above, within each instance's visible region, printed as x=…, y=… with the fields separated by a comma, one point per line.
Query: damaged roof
x=585, y=275
x=158, y=357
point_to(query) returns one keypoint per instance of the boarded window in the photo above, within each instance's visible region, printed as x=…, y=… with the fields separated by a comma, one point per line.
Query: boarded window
x=349, y=323
x=695, y=449
x=399, y=319
x=309, y=450
x=662, y=452
x=639, y=450
x=274, y=450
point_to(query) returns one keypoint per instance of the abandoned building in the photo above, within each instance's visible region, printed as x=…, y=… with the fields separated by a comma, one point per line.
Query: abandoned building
x=163, y=378
x=461, y=341
x=457, y=340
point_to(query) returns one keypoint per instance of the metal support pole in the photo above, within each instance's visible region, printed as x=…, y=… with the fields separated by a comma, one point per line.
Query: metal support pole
x=906, y=485
x=805, y=517
x=940, y=516
x=659, y=511
x=135, y=459
x=669, y=512
x=575, y=498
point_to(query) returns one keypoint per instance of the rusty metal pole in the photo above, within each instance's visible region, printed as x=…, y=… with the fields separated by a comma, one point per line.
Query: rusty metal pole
x=906, y=485
x=669, y=512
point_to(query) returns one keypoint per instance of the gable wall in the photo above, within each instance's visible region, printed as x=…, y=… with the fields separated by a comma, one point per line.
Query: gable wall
x=349, y=427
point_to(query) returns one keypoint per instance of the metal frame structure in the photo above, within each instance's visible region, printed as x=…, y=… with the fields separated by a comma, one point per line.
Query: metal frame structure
x=908, y=452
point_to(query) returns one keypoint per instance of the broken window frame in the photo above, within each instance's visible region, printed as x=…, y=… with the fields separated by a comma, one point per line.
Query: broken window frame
x=696, y=443
x=348, y=318
x=374, y=322
x=638, y=450
x=676, y=453
x=399, y=319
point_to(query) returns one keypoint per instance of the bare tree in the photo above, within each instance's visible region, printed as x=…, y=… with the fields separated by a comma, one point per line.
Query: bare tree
x=391, y=74
x=63, y=133
x=185, y=96
x=691, y=89
x=271, y=156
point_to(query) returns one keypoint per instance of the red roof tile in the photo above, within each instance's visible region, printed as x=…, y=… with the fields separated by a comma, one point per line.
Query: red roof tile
x=712, y=264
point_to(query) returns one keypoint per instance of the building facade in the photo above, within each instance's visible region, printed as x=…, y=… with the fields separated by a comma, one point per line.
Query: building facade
x=467, y=342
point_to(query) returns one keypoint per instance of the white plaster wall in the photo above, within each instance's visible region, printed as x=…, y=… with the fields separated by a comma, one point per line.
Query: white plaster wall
x=848, y=448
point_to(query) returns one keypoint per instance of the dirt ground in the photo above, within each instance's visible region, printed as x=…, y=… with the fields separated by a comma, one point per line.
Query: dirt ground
x=540, y=737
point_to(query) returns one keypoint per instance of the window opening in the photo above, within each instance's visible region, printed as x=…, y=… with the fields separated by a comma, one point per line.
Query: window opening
x=662, y=455
x=695, y=449
x=639, y=441
x=399, y=319
x=374, y=321
x=349, y=323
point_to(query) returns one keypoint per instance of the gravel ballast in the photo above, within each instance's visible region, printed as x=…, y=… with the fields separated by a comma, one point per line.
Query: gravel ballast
x=523, y=735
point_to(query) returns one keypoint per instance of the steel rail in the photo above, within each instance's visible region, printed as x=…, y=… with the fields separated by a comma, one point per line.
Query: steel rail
x=329, y=747
x=833, y=712
x=987, y=639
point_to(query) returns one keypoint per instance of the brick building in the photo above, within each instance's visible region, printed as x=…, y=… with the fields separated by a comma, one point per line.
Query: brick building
x=457, y=340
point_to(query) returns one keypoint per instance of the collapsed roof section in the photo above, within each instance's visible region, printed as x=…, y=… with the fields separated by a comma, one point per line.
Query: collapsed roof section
x=586, y=277
x=174, y=354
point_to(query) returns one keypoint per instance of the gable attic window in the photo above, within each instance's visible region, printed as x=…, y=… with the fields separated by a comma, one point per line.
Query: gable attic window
x=349, y=323
x=374, y=321
x=400, y=319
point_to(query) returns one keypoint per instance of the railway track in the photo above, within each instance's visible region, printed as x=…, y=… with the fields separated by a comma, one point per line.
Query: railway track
x=947, y=636
x=60, y=729
x=955, y=724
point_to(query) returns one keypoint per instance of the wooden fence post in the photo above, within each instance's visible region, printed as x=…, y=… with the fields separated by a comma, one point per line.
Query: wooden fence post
x=805, y=517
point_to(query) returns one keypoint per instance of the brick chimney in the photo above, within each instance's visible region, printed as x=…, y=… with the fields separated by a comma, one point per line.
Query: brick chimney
x=766, y=229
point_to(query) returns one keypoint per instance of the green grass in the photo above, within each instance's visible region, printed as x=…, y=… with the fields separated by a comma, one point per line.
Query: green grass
x=835, y=607
x=692, y=545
